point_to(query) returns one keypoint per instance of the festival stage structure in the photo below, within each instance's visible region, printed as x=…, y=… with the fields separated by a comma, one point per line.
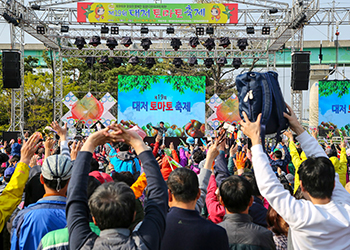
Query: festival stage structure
x=252, y=35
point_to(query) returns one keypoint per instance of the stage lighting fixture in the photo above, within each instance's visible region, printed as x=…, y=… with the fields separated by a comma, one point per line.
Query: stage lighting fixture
x=80, y=42
x=126, y=41
x=236, y=63
x=95, y=41
x=209, y=31
x=150, y=62
x=117, y=61
x=299, y=21
x=242, y=43
x=114, y=30
x=111, y=43
x=209, y=44
x=64, y=29
x=192, y=61
x=199, y=31
x=40, y=29
x=11, y=19
x=134, y=60
x=146, y=43
x=273, y=11
x=250, y=30
x=175, y=43
x=265, y=30
x=208, y=62
x=104, y=60
x=224, y=42
x=177, y=62
x=170, y=30
x=222, y=61
x=144, y=30
x=90, y=61
x=104, y=30
x=35, y=7
x=194, y=41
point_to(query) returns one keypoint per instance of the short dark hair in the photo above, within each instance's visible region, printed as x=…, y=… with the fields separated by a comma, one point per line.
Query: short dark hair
x=251, y=179
x=183, y=184
x=278, y=154
x=124, y=176
x=161, y=123
x=7, y=178
x=52, y=184
x=15, y=158
x=198, y=156
x=236, y=193
x=113, y=205
x=123, y=146
x=317, y=175
x=93, y=183
x=94, y=166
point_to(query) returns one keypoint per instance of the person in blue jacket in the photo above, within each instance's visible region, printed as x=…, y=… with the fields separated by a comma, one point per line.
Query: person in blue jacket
x=124, y=160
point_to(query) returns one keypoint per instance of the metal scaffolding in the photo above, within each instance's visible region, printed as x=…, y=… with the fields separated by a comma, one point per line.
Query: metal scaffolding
x=52, y=14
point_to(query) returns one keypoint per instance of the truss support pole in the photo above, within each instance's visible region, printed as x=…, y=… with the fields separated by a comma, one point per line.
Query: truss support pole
x=58, y=86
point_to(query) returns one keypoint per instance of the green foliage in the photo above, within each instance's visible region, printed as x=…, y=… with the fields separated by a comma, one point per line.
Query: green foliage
x=30, y=63
x=327, y=88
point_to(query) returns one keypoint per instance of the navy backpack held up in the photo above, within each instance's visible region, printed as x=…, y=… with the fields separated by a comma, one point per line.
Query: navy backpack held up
x=261, y=93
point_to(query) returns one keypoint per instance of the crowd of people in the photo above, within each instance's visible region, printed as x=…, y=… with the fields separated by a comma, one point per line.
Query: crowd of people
x=113, y=191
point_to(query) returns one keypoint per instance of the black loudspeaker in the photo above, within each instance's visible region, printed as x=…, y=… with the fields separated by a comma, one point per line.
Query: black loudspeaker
x=9, y=135
x=300, y=70
x=11, y=69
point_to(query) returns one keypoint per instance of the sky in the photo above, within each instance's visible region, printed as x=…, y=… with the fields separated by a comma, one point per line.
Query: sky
x=310, y=33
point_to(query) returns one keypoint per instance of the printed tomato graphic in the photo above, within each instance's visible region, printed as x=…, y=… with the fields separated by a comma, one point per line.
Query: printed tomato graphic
x=87, y=108
x=228, y=111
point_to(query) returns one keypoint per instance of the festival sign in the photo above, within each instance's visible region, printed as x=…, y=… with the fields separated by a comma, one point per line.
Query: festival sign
x=334, y=106
x=215, y=13
x=178, y=101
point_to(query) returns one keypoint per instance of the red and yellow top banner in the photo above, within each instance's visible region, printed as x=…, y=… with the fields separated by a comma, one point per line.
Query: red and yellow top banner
x=220, y=13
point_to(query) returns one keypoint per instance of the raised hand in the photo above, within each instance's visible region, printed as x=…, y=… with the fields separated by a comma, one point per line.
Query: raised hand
x=251, y=129
x=29, y=148
x=240, y=160
x=61, y=131
x=76, y=147
x=293, y=121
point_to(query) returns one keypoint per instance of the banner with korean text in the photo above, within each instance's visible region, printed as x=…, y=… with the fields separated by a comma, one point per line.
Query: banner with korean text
x=215, y=13
x=178, y=101
x=334, y=106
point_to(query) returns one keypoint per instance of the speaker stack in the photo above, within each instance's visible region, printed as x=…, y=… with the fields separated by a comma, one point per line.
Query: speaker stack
x=11, y=69
x=300, y=70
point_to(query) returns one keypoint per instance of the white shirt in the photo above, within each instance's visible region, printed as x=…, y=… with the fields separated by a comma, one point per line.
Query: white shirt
x=313, y=226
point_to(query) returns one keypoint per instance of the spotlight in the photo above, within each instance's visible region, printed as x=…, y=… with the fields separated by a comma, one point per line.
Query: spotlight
x=117, y=61
x=175, y=43
x=250, y=30
x=224, y=42
x=208, y=62
x=35, y=7
x=146, y=43
x=134, y=60
x=242, y=43
x=193, y=61
x=95, y=41
x=144, y=30
x=177, y=62
x=64, y=29
x=210, y=31
x=170, y=30
x=236, y=63
x=209, y=44
x=150, y=62
x=299, y=21
x=126, y=41
x=40, y=29
x=199, y=31
x=90, y=61
x=104, y=60
x=222, y=61
x=265, y=30
x=80, y=42
x=114, y=30
x=273, y=11
x=194, y=42
x=104, y=30
x=11, y=19
x=111, y=43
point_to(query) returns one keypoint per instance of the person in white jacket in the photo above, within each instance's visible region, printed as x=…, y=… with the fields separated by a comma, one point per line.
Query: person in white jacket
x=322, y=221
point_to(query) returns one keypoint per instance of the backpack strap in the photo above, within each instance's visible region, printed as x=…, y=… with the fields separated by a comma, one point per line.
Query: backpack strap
x=266, y=107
